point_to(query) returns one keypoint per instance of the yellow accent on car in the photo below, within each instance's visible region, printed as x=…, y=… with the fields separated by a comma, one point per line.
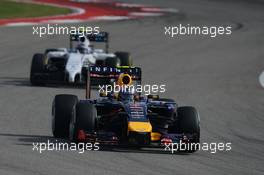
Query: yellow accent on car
x=139, y=126
x=124, y=67
x=155, y=136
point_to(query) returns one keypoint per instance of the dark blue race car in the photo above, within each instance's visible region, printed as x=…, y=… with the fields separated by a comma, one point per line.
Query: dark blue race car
x=122, y=118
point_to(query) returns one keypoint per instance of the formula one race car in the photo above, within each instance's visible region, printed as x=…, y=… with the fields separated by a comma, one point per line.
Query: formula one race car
x=65, y=65
x=123, y=118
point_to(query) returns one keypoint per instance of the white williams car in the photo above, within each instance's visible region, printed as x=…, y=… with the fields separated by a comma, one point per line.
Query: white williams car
x=69, y=65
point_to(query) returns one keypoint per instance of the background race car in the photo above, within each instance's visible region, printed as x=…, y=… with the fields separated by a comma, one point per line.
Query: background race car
x=65, y=65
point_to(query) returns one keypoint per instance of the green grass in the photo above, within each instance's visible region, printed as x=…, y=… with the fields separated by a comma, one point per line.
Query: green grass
x=11, y=9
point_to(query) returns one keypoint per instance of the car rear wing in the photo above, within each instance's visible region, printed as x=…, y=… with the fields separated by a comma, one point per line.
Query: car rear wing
x=101, y=37
x=96, y=73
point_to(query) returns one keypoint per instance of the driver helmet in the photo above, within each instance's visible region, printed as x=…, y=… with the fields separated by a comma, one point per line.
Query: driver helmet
x=83, y=45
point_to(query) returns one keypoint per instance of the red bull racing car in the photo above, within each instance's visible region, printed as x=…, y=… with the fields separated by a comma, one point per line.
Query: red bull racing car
x=124, y=118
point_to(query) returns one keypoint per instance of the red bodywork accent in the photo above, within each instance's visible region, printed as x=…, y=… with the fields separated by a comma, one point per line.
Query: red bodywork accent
x=81, y=135
x=166, y=141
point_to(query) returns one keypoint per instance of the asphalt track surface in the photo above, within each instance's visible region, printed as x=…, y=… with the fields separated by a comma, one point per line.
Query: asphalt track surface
x=219, y=76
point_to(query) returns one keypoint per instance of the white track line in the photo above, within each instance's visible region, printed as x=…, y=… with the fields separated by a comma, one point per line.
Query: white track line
x=17, y=24
x=153, y=9
x=129, y=5
x=109, y=18
x=61, y=21
x=140, y=14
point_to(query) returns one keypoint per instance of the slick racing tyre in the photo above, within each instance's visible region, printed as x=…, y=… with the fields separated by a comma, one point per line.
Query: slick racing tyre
x=62, y=111
x=112, y=62
x=125, y=58
x=83, y=119
x=187, y=122
x=37, y=66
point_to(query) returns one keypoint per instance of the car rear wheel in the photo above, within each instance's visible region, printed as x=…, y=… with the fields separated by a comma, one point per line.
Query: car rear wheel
x=62, y=111
x=37, y=67
x=112, y=62
x=125, y=58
